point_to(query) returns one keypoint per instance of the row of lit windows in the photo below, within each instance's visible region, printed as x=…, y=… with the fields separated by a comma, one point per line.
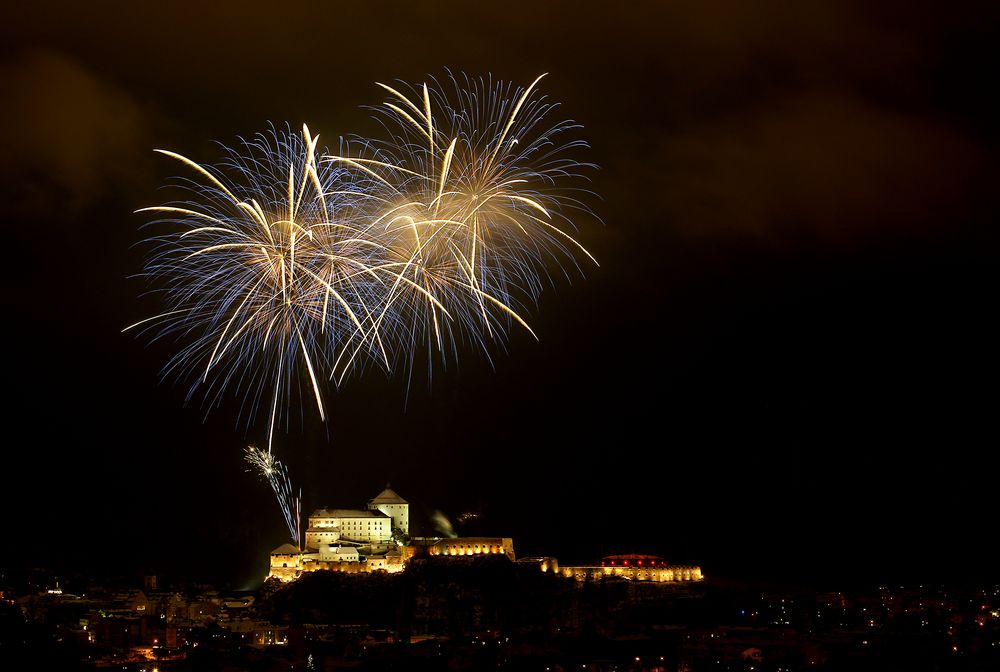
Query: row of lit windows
x=650, y=574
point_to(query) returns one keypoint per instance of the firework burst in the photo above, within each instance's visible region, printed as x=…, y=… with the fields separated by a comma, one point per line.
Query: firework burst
x=473, y=208
x=286, y=265
x=264, y=275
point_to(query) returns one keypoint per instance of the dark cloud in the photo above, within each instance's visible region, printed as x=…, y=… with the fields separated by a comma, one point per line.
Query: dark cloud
x=67, y=138
x=815, y=165
x=787, y=269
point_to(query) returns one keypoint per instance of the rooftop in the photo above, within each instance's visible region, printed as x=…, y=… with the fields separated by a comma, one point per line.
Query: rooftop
x=346, y=513
x=387, y=496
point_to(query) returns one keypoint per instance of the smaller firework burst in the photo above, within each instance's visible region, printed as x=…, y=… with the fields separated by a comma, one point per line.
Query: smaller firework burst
x=276, y=474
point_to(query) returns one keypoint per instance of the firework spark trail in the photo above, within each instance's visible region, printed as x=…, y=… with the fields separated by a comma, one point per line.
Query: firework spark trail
x=276, y=474
x=287, y=265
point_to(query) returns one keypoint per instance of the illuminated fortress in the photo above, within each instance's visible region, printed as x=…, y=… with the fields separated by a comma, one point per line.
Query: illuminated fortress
x=349, y=540
x=377, y=538
x=633, y=567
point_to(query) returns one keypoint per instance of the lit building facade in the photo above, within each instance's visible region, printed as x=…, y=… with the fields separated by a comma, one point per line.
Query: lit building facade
x=474, y=546
x=375, y=538
x=327, y=526
x=633, y=567
x=373, y=526
x=348, y=540
x=285, y=563
x=394, y=506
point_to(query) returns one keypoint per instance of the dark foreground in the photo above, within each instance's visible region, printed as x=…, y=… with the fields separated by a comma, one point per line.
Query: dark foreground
x=488, y=613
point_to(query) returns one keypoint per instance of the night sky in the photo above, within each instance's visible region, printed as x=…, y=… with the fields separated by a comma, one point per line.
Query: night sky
x=785, y=365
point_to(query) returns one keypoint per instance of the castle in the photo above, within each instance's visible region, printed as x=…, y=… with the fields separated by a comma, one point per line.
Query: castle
x=378, y=538
x=349, y=540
